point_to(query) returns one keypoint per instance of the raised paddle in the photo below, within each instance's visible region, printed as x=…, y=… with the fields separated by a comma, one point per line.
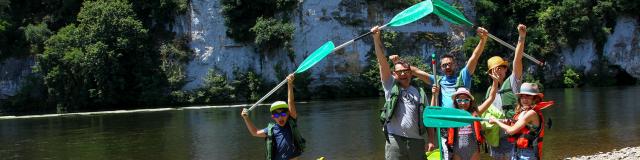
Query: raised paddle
x=311, y=60
x=407, y=16
x=451, y=14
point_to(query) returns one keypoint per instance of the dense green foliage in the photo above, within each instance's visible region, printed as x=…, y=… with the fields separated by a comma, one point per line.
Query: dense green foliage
x=271, y=33
x=243, y=15
x=571, y=78
x=94, y=55
x=99, y=62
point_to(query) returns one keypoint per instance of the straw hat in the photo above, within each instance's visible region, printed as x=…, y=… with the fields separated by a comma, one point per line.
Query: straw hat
x=496, y=61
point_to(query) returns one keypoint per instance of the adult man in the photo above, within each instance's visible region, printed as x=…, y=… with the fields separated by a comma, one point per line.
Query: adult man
x=402, y=112
x=453, y=79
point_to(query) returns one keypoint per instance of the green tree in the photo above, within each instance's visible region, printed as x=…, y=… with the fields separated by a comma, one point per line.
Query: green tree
x=36, y=35
x=100, y=62
x=173, y=56
x=159, y=11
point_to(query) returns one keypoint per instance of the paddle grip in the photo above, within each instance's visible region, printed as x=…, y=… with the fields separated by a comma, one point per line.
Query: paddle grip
x=514, y=48
x=363, y=35
x=267, y=95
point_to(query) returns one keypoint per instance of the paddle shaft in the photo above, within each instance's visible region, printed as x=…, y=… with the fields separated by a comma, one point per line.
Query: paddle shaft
x=514, y=48
x=357, y=38
x=268, y=94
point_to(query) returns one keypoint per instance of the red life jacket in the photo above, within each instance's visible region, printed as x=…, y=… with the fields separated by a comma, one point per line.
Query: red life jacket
x=527, y=138
x=477, y=128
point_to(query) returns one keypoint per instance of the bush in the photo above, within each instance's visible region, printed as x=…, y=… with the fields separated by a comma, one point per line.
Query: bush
x=271, y=33
x=242, y=15
x=571, y=78
x=215, y=89
x=248, y=86
x=173, y=57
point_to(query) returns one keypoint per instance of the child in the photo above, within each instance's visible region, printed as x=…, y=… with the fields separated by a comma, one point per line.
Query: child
x=465, y=141
x=283, y=138
x=528, y=129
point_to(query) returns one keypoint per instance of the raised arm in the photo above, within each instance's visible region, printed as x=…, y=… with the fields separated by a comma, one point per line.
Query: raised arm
x=291, y=100
x=385, y=71
x=492, y=94
x=473, y=60
x=422, y=75
x=517, y=60
x=250, y=126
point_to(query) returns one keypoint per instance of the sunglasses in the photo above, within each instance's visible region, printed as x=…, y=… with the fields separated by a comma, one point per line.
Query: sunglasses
x=463, y=100
x=445, y=65
x=406, y=71
x=277, y=115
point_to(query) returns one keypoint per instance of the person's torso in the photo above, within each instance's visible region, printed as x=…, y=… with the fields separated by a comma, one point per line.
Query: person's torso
x=466, y=136
x=405, y=120
x=506, y=100
x=283, y=138
x=448, y=86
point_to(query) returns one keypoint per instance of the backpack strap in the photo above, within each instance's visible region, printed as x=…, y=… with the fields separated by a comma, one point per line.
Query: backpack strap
x=269, y=141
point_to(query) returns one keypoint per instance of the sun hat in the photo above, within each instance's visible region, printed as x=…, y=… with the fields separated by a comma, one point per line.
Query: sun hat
x=460, y=91
x=530, y=89
x=496, y=61
x=278, y=105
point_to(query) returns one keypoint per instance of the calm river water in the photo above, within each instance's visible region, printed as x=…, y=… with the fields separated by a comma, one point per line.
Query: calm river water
x=585, y=121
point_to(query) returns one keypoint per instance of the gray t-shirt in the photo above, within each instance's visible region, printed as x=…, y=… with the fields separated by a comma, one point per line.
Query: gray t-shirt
x=404, y=121
x=515, y=87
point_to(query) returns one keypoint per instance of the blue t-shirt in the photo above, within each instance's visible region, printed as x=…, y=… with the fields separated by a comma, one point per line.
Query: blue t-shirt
x=448, y=86
x=283, y=139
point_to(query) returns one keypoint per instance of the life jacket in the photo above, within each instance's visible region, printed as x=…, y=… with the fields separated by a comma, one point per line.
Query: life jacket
x=507, y=97
x=387, y=111
x=529, y=137
x=298, y=141
x=477, y=129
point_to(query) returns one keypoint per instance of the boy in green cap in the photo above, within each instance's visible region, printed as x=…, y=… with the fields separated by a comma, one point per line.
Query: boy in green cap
x=283, y=138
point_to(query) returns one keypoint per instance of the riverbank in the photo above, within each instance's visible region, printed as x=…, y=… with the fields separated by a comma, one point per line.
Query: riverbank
x=624, y=153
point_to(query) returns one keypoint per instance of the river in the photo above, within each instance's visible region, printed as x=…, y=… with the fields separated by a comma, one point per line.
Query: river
x=585, y=121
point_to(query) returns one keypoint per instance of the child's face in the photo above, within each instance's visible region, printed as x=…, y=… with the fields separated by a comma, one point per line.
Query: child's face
x=526, y=100
x=280, y=116
x=463, y=101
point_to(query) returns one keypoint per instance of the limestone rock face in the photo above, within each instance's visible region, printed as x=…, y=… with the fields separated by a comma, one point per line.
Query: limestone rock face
x=623, y=46
x=316, y=22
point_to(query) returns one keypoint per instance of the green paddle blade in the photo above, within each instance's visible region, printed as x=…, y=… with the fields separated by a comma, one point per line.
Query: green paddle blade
x=449, y=13
x=412, y=13
x=441, y=117
x=315, y=57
